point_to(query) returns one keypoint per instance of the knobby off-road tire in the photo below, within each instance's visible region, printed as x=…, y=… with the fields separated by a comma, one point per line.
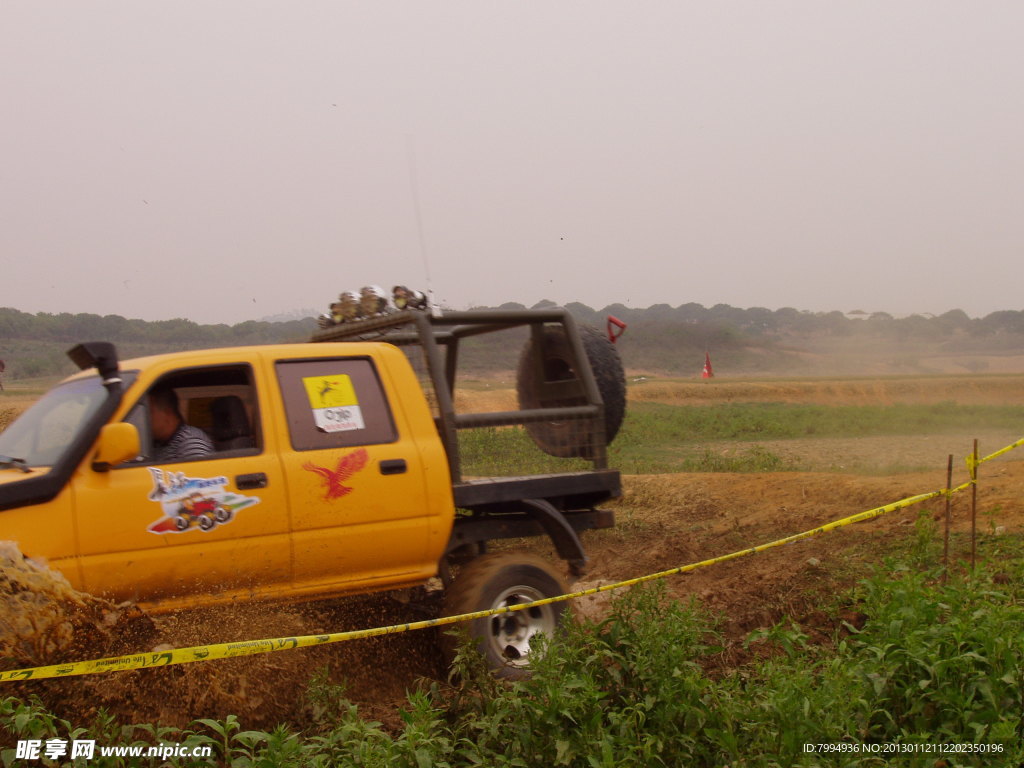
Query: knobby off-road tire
x=501, y=580
x=569, y=438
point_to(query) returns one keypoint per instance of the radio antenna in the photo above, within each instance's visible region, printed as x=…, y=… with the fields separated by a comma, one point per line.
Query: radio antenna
x=410, y=142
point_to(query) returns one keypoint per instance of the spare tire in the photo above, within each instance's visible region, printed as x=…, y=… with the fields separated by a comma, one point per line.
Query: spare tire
x=570, y=437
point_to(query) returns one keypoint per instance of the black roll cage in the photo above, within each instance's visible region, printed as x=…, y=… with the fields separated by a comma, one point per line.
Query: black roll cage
x=439, y=333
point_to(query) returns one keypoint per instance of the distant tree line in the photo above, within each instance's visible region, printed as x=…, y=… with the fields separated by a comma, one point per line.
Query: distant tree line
x=34, y=345
x=659, y=337
x=675, y=339
x=73, y=328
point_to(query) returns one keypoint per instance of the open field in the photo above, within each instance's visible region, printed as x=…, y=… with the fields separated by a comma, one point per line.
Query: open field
x=964, y=389
x=870, y=426
x=664, y=520
x=13, y=403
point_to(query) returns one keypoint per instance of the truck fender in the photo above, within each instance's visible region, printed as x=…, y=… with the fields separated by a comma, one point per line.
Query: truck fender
x=563, y=536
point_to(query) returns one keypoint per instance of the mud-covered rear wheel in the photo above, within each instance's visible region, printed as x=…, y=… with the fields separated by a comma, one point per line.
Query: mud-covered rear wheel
x=506, y=640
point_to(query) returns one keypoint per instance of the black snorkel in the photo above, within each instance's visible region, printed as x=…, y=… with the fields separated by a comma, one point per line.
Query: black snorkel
x=101, y=355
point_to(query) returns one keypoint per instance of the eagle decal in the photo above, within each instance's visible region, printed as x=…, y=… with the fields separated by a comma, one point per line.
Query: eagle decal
x=348, y=465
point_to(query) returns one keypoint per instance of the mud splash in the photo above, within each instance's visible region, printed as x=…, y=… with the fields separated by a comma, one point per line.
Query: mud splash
x=43, y=620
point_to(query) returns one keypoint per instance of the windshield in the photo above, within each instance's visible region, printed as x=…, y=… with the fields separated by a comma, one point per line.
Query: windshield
x=45, y=431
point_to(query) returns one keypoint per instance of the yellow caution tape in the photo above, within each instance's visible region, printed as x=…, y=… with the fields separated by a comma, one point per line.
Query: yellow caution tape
x=253, y=647
x=1000, y=452
x=973, y=463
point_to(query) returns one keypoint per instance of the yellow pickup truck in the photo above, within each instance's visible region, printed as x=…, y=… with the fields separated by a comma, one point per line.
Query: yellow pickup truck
x=318, y=469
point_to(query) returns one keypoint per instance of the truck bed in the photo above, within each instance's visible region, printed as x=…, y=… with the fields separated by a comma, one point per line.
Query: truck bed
x=567, y=491
x=561, y=506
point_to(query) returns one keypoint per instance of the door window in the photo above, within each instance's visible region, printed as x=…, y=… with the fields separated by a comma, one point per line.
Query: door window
x=217, y=406
x=334, y=403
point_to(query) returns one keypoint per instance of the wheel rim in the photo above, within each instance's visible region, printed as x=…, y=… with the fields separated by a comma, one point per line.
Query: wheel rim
x=511, y=634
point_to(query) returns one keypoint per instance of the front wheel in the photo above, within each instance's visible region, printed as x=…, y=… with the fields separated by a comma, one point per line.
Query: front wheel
x=501, y=581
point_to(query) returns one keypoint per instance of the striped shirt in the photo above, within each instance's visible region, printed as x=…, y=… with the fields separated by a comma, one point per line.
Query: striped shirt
x=187, y=442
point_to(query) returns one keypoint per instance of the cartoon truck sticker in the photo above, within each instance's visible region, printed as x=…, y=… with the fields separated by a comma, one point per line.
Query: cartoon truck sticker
x=202, y=510
x=193, y=502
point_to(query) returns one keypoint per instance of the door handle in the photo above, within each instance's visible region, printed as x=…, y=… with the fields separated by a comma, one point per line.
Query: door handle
x=393, y=467
x=248, y=482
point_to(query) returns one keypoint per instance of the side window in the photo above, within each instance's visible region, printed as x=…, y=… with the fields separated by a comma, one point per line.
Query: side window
x=334, y=403
x=198, y=413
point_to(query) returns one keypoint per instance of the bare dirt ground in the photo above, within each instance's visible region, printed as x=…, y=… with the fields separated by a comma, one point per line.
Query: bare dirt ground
x=672, y=520
x=664, y=521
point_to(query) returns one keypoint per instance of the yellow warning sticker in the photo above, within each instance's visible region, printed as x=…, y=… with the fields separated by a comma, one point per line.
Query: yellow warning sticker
x=330, y=391
x=334, y=403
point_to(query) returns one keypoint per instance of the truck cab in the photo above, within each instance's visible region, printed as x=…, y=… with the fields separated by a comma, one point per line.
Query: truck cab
x=326, y=475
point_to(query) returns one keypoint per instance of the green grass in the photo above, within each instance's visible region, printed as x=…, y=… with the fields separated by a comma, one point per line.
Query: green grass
x=932, y=664
x=657, y=438
x=658, y=423
x=509, y=452
x=654, y=459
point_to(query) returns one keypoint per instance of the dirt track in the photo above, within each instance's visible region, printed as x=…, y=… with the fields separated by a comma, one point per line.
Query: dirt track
x=663, y=521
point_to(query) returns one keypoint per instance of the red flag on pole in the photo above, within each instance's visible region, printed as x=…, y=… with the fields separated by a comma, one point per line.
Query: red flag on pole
x=708, y=373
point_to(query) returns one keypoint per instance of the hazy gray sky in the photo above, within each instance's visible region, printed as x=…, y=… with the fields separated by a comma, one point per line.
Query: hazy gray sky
x=226, y=161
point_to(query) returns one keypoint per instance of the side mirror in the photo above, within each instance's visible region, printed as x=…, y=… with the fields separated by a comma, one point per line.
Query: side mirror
x=119, y=442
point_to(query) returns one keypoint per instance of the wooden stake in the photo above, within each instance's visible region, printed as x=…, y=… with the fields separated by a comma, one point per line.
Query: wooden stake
x=974, y=501
x=949, y=503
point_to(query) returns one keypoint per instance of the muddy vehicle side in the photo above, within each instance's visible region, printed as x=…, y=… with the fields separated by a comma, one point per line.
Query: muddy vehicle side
x=337, y=470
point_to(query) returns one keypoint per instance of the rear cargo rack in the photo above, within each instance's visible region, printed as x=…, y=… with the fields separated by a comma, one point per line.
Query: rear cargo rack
x=439, y=334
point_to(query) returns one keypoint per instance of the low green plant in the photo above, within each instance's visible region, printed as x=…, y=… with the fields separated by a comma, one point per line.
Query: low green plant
x=932, y=664
x=946, y=663
x=925, y=547
x=30, y=720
